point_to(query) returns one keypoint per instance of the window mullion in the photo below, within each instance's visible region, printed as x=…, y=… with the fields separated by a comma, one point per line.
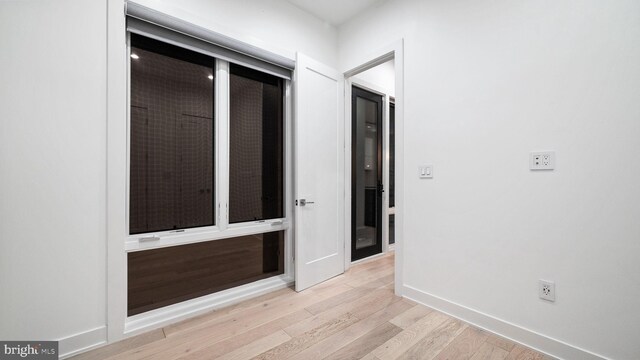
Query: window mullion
x=222, y=126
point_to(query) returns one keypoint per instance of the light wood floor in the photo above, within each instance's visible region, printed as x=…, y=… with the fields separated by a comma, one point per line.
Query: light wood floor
x=352, y=316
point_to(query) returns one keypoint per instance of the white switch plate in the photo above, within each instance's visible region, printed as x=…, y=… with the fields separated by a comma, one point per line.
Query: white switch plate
x=425, y=171
x=542, y=160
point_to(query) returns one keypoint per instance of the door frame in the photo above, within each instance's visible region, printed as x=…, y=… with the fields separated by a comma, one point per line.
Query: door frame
x=360, y=63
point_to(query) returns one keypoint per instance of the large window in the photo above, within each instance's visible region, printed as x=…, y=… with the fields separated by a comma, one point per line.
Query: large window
x=196, y=168
x=172, y=140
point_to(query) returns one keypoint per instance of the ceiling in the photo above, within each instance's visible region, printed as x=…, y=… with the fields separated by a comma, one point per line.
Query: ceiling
x=334, y=12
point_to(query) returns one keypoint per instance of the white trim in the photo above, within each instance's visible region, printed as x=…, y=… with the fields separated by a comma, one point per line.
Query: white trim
x=347, y=173
x=116, y=170
x=519, y=334
x=289, y=267
x=371, y=87
x=170, y=314
x=81, y=342
x=221, y=121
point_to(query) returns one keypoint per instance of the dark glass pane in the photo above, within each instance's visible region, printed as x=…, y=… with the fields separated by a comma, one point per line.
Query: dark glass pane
x=256, y=146
x=392, y=155
x=366, y=172
x=392, y=229
x=166, y=276
x=171, y=159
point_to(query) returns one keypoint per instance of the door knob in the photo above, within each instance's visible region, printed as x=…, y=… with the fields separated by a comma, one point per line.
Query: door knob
x=304, y=202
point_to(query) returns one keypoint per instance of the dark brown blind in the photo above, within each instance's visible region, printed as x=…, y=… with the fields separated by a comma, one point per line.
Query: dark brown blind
x=172, y=142
x=161, y=277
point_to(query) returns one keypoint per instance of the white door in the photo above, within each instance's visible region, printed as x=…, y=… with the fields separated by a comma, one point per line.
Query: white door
x=319, y=177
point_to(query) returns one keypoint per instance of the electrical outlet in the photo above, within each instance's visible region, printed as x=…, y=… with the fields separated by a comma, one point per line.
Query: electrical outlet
x=547, y=290
x=542, y=160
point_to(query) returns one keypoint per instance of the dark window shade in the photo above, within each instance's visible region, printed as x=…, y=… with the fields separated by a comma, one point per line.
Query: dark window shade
x=161, y=277
x=171, y=138
x=256, y=172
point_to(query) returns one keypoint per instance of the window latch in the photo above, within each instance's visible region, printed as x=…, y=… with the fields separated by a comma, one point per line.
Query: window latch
x=149, y=238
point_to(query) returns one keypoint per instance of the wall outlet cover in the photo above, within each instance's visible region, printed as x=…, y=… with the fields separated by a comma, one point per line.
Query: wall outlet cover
x=542, y=160
x=547, y=290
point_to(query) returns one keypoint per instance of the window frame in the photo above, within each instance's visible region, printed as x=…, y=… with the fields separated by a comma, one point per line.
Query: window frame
x=222, y=229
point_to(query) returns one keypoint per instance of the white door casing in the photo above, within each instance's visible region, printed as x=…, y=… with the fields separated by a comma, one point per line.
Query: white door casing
x=318, y=172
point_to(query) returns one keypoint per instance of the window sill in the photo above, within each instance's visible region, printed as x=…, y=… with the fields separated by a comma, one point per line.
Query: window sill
x=190, y=236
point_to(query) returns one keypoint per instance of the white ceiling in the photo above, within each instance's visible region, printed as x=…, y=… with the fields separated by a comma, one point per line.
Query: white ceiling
x=334, y=12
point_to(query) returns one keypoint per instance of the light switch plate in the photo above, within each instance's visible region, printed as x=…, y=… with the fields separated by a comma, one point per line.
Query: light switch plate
x=425, y=171
x=542, y=160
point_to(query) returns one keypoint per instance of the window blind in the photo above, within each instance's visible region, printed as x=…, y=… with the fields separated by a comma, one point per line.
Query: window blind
x=157, y=25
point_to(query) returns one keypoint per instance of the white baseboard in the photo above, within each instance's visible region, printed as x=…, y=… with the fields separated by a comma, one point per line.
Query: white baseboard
x=529, y=338
x=81, y=342
x=170, y=314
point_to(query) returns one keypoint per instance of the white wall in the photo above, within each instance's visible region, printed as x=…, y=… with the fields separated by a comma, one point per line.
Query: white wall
x=53, y=166
x=485, y=83
x=274, y=25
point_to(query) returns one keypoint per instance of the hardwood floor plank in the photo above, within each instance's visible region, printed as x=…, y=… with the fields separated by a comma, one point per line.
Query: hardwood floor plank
x=362, y=307
x=366, y=343
x=265, y=312
x=255, y=348
x=464, y=346
x=370, y=356
x=501, y=342
x=375, y=283
x=215, y=314
x=373, y=277
x=432, y=344
x=410, y=316
x=337, y=300
x=237, y=323
x=122, y=346
x=299, y=343
x=400, y=343
x=490, y=352
x=257, y=307
x=212, y=348
x=352, y=333
x=358, y=272
x=520, y=352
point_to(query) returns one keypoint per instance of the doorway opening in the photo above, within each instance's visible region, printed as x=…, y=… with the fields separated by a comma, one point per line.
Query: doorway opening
x=372, y=170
